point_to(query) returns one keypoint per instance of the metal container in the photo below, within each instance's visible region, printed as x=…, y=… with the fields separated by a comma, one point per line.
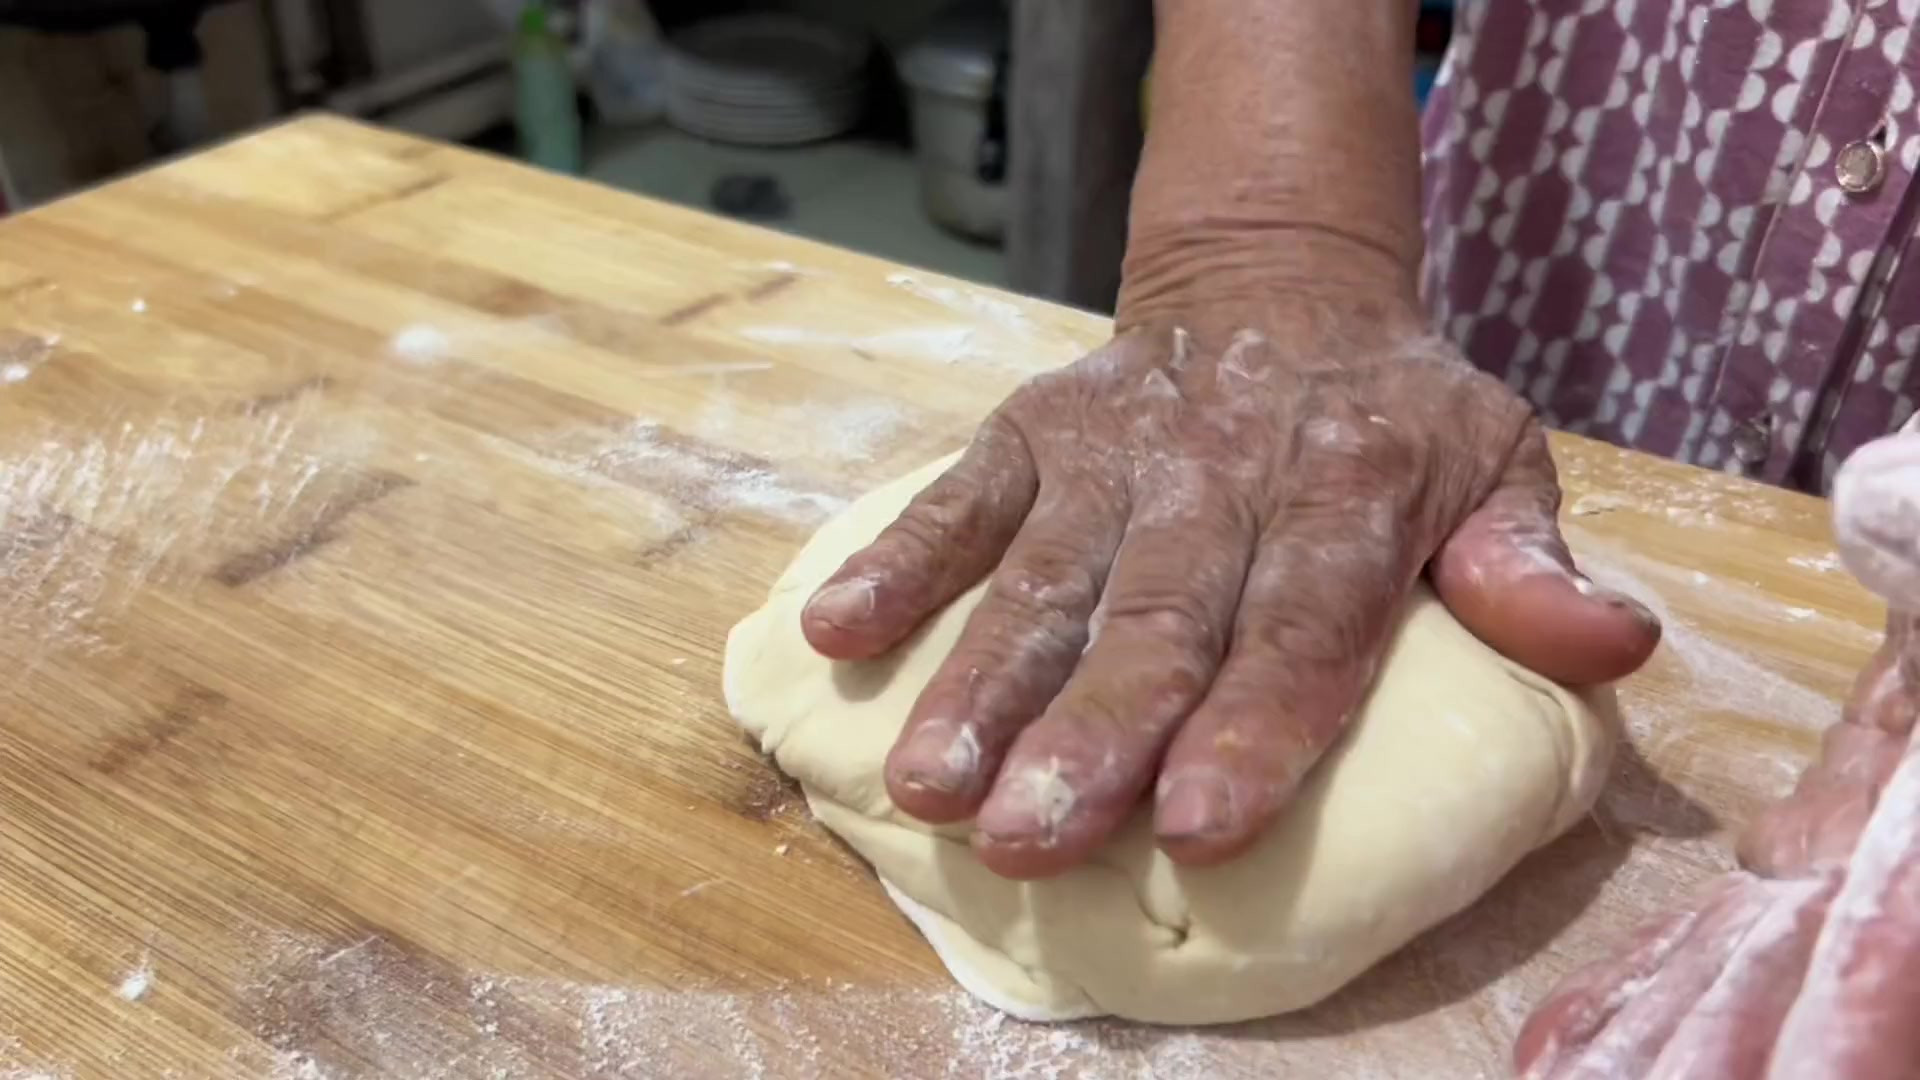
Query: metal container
x=957, y=73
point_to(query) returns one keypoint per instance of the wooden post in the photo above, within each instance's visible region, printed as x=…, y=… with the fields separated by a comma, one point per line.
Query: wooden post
x=1076, y=133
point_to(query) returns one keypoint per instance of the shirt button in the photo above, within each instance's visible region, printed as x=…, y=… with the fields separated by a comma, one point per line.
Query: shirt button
x=1753, y=440
x=1860, y=167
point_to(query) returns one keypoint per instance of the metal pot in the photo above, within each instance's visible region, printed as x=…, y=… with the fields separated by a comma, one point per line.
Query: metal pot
x=957, y=73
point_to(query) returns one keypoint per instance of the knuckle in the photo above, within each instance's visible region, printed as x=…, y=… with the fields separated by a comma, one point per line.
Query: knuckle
x=1369, y=449
x=1288, y=634
x=1049, y=587
x=1324, y=622
x=1174, y=620
x=921, y=533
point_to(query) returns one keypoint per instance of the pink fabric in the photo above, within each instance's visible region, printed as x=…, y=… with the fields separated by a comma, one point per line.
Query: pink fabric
x=1634, y=218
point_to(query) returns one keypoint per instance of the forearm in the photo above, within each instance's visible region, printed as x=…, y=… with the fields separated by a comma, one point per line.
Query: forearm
x=1282, y=153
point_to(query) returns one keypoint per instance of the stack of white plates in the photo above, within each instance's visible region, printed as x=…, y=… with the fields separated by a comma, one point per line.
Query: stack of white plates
x=766, y=80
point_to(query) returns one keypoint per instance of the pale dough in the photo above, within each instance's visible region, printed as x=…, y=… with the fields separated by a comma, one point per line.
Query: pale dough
x=1459, y=764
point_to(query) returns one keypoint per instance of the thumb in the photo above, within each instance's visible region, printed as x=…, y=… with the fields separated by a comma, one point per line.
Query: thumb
x=1507, y=575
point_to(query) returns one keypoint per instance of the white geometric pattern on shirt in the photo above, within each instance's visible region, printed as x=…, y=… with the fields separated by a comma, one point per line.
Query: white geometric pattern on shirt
x=1784, y=80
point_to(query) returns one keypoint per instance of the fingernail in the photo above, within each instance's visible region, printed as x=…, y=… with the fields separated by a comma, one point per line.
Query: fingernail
x=848, y=603
x=941, y=758
x=1615, y=598
x=1029, y=806
x=1194, y=806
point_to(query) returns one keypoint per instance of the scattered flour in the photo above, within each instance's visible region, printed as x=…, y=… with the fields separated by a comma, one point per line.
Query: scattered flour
x=1716, y=678
x=18, y=358
x=1723, y=677
x=138, y=981
x=420, y=343
x=384, y=1011
x=705, y=477
x=940, y=344
x=966, y=301
x=13, y=1067
x=992, y=332
x=850, y=431
x=1824, y=564
x=139, y=305
x=66, y=494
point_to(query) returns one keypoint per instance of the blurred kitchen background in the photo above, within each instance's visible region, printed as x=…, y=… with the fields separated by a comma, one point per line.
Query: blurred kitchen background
x=989, y=139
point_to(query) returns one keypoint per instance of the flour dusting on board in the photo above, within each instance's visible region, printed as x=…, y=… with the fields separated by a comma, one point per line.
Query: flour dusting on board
x=385, y=1010
x=940, y=344
x=137, y=982
x=1004, y=313
x=19, y=358
x=421, y=343
x=71, y=499
x=838, y=431
x=1717, y=678
x=15, y=1065
x=1823, y=564
x=1690, y=497
x=979, y=329
x=706, y=477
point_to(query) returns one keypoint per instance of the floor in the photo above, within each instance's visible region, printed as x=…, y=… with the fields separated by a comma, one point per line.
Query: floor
x=857, y=194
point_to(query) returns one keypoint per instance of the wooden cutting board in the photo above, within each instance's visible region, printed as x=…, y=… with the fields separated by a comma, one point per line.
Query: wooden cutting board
x=371, y=516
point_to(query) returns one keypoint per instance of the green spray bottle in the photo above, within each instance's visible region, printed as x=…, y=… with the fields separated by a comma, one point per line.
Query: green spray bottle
x=546, y=111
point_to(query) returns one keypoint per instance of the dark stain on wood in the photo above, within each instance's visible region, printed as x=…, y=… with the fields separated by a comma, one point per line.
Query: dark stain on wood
x=674, y=542
x=511, y=298
x=403, y=192
x=154, y=732
x=250, y=566
x=686, y=313
x=864, y=354
x=409, y=190
x=25, y=348
x=772, y=287
x=274, y=399
x=21, y=288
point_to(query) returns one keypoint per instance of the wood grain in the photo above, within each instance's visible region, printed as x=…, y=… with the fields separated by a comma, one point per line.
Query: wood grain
x=371, y=516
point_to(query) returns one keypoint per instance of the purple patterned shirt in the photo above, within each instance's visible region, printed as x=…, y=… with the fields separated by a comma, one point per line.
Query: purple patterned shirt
x=1686, y=226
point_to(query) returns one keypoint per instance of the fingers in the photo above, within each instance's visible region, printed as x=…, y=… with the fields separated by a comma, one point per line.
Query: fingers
x=1314, y=616
x=946, y=540
x=1640, y=1015
x=1506, y=574
x=1818, y=825
x=1016, y=651
x=1856, y=1010
x=1729, y=1033
x=1876, y=518
x=1078, y=772
x=1584, y=1001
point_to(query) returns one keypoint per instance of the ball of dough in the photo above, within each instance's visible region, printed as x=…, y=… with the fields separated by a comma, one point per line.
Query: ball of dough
x=1458, y=765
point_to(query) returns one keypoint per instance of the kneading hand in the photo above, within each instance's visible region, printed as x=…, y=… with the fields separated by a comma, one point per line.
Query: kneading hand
x=1197, y=538
x=1807, y=962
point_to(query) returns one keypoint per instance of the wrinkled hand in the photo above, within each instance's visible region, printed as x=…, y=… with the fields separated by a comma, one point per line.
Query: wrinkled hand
x=1198, y=537
x=1806, y=963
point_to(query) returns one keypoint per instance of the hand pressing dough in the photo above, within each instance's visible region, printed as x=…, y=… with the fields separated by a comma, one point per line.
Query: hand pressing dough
x=1458, y=765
